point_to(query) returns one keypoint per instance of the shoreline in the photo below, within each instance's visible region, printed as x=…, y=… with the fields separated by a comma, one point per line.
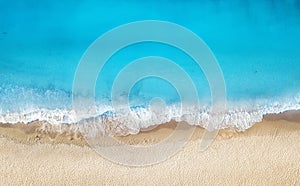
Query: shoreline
x=43, y=132
x=264, y=154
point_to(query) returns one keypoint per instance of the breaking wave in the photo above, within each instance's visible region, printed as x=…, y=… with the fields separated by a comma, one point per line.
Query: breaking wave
x=239, y=115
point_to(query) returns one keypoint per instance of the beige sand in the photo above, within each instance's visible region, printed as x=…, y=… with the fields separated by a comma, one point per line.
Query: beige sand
x=266, y=154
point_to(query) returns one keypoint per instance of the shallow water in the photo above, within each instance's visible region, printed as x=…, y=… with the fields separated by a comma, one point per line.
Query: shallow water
x=256, y=44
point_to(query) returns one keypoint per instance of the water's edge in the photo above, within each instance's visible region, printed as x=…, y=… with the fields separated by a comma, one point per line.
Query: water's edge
x=108, y=125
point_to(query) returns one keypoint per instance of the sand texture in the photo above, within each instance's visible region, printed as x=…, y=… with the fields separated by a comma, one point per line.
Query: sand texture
x=266, y=154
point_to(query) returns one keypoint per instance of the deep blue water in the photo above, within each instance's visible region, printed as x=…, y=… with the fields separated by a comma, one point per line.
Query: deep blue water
x=41, y=43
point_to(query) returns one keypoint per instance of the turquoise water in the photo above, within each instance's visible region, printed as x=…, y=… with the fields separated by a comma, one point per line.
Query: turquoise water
x=41, y=43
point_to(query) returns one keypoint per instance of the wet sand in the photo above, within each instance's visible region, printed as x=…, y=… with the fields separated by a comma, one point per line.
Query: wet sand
x=266, y=154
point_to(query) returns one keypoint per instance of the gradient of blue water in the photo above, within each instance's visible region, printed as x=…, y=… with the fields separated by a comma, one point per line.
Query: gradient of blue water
x=256, y=44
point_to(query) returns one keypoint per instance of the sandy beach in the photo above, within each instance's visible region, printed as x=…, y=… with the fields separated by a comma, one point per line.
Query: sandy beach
x=158, y=92
x=266, y=154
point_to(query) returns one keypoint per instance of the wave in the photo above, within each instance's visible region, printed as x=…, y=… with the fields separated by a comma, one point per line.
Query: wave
x=238, y=115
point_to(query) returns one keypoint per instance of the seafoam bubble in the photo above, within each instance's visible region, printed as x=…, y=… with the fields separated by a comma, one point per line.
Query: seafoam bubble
x=236, y=117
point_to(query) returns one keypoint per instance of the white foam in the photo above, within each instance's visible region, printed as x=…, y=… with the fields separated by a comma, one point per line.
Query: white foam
x=238, y=115
x=55, y=107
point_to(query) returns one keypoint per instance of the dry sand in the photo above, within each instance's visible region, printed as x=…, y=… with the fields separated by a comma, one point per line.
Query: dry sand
x=266, y=154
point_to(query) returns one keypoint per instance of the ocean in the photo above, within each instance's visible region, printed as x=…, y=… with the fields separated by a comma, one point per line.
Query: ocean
x=42, y=44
